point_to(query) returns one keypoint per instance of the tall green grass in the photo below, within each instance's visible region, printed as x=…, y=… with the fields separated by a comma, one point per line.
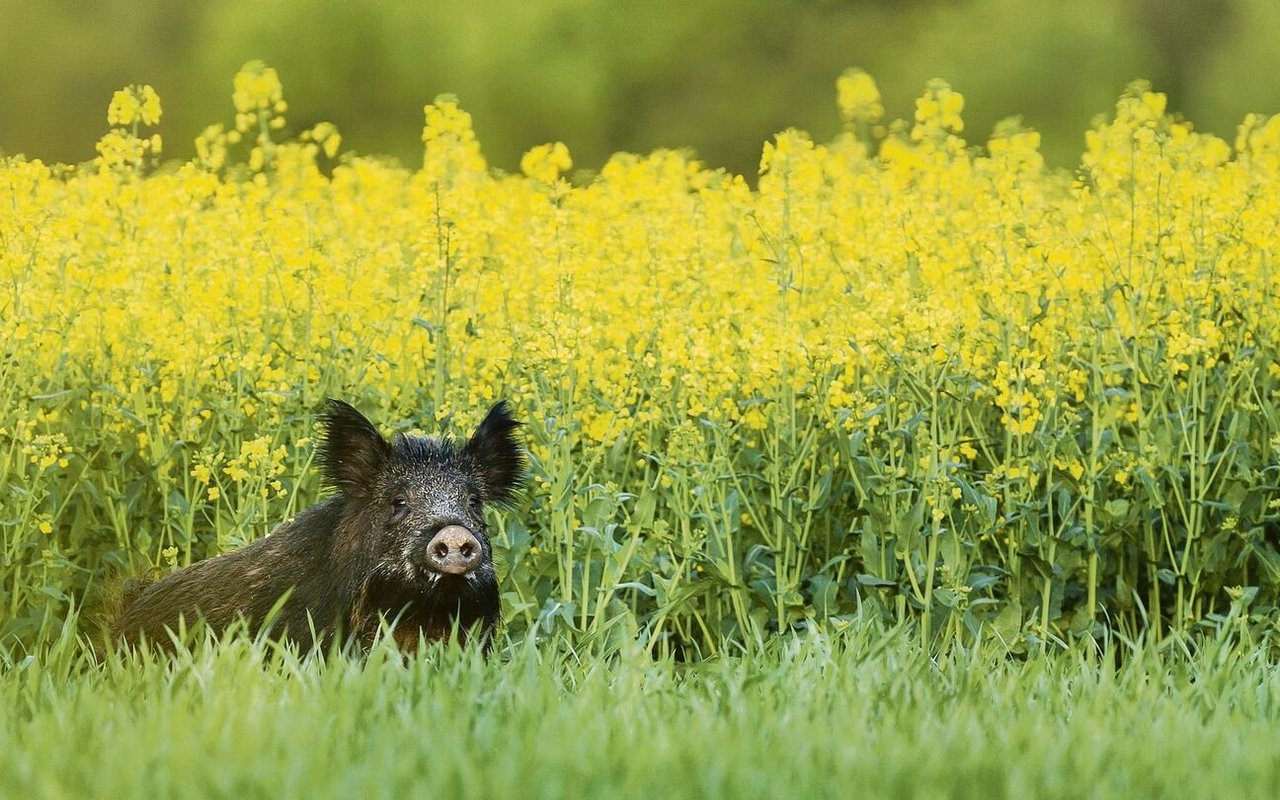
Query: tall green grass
x=866, y=713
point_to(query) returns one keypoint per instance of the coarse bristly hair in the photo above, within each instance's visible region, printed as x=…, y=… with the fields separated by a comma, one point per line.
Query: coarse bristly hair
x=353, y=451
x=496, y=454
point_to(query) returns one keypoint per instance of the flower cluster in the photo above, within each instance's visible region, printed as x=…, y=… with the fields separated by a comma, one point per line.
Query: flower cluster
x=1063, y=342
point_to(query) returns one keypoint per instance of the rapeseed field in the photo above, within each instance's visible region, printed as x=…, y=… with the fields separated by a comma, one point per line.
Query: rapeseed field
x=903, y=374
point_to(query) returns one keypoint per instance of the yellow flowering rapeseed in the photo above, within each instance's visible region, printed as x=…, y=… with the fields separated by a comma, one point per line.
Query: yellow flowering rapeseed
x=1067, y=371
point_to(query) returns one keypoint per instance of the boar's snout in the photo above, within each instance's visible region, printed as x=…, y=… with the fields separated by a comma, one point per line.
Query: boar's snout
x=454, y=551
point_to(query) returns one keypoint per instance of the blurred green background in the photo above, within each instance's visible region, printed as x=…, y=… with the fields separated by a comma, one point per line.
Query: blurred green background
x=719, y=76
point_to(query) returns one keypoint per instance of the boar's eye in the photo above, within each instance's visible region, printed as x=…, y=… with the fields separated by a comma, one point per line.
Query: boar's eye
x=473, y=500
x=399, y=508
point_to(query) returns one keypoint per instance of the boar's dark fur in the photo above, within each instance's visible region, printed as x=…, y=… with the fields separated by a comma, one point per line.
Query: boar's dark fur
x=359, y=559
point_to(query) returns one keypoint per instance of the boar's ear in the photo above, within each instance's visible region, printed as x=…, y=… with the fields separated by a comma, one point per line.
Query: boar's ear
x=496, y=456
x=353, y=453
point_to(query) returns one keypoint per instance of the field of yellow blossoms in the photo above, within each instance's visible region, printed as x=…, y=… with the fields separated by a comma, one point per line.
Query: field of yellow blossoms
x=903, y=376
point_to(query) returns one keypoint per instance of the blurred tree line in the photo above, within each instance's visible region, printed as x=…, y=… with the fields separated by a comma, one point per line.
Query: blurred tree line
x=719, y=76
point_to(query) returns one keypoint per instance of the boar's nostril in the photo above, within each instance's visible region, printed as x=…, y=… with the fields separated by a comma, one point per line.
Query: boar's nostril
x=453, y=551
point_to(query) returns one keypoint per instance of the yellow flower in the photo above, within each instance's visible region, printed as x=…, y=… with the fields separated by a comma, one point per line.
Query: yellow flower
x=938, y=109
x=124, y=108
x=326, y=135
x=256, y=87
x=858, y=97
x=754, y=419
x=134, y=104
x=451, y=146
x=149, y=106
x=546, y=162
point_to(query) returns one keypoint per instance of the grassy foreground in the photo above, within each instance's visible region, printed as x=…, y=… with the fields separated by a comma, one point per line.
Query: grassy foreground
x=867, y=712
